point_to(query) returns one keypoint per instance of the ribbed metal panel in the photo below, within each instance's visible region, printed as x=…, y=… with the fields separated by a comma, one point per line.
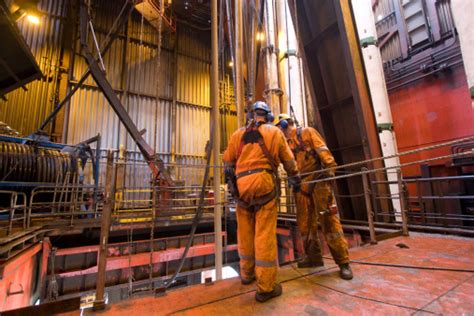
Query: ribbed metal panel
x=228, y=125
x=112, y=62
x=190, y=170
x=141, y=78
x=194, y=43
x=384, y=13
x=192, y=132
x=137, y=175
x=153, y=117
x=25, y=110
x=142, y=81
x=163, y=127
x=147, y=75
x=193, y=81
x=90, y=113
x=445, y=16
x=142, y=69
x=392, y=49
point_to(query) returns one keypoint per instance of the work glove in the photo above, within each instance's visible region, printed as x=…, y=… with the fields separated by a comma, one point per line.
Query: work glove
x=295, y=183
x=229, y=174
x=231, y=180
x=330, y=173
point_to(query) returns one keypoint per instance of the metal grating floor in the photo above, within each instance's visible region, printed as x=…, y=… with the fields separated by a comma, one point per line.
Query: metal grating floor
x=433, y=274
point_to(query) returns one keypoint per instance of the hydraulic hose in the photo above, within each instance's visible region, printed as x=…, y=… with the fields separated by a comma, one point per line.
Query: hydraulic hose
x=199, y=212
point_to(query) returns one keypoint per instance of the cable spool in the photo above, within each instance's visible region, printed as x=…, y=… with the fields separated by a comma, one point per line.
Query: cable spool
x=28, y=163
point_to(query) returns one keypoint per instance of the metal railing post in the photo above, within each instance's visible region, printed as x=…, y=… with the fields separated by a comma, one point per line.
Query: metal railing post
x=368, y=202
x=401, y=192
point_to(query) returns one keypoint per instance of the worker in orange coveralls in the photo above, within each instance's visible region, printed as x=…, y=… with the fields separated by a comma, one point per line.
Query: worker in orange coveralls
x=315, y=201
x=251, y=160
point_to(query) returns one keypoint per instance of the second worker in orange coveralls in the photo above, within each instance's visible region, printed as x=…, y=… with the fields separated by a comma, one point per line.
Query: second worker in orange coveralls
x=314, y=201
x=252, y=159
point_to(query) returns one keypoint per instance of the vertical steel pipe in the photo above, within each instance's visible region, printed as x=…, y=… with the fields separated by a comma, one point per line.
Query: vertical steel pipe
x=368, y=202
x=462, y=13
x=289, y=65
x=251, y=52
x=402, y=202
x=273, y=91
x=239, y=84
x=231, y=43
x=216, y=140
x=99, y=302
x=364, y=18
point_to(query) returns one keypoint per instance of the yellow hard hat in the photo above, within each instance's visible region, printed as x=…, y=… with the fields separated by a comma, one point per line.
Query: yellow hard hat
x=282, y=117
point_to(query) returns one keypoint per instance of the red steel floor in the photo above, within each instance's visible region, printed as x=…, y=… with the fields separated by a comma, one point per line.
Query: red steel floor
x=434, y=275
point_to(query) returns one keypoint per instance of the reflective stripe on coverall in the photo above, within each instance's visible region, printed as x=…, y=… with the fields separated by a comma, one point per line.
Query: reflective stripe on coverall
x=257, y=243
x=310, y=205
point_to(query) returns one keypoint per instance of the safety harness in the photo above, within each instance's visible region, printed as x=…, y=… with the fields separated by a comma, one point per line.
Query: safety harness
x=251, y=136
x=301, y=146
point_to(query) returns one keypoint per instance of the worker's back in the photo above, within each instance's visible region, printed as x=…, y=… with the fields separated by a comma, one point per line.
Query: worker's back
x=254, y=169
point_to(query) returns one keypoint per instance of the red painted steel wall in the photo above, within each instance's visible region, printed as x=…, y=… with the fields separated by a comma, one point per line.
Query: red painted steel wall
x=433, y=110
x=17, y=279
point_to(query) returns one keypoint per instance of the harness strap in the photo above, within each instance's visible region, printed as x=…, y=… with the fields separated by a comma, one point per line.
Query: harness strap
x=269, y=156
x=261, y=143
x=249, y=172
x=259, y=202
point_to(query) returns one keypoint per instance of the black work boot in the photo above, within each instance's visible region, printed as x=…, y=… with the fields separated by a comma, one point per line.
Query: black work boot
x=263, y=297
x=308, y=262
x=345, y=272
x=247, y=281
x=314, y=257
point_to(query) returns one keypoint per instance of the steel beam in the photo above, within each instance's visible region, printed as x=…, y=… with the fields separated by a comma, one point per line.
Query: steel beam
x=156, y=165
x=143, y=259
x=84, y=77
x=360, y=90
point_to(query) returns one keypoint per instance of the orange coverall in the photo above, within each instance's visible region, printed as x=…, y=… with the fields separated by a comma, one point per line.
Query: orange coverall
x=256, y=230
x=315, y=199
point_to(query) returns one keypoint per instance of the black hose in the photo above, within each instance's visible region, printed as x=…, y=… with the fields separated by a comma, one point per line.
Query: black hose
x=406, y=266
x=199, y=212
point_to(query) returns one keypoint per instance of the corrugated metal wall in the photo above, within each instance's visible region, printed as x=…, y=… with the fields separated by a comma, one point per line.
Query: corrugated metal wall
x=143, y=79
x=445, y=16
x=384, y=13
x=411, y=17
x=25, y=110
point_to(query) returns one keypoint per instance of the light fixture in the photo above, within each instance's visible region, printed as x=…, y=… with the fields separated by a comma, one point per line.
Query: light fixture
x=26, y=9
x=33, y=19
x=231, y=64
x=380, y=17
x=260, y=36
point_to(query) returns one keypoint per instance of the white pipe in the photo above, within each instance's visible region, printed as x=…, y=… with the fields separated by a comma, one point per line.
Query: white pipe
x=462, y=14
x=290, y=65
x=367, y=32
x=272, y=86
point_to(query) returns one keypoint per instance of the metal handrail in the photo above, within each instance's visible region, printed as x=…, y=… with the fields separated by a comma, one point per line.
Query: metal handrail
x=13, y=208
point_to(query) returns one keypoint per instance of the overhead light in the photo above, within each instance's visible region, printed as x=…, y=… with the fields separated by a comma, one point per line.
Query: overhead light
x=231, y=64
x=260, y=36
x=380, y=17
x=33, y=19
